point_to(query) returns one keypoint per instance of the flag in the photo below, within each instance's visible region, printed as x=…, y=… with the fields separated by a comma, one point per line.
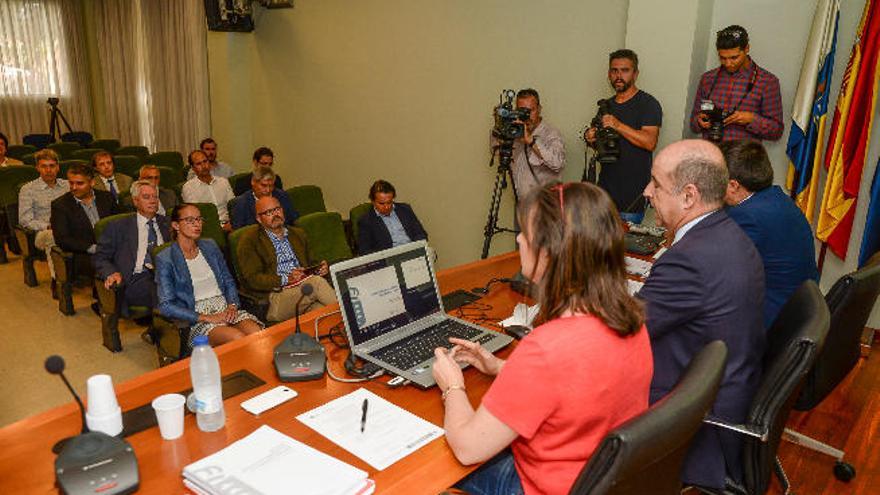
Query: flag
x=871, y=237
x=810, y=108
x=848, y=143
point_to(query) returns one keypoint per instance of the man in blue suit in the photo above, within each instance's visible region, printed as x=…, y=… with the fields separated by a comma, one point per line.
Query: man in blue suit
x=772, y=221
x=123, y=256
x=388, y=223
x=709, y=285
x=262, y=185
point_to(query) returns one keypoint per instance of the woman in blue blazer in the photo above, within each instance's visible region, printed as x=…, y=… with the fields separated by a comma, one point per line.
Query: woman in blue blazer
x=195, y=285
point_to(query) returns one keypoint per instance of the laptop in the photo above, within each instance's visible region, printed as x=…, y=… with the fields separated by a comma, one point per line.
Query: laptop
x=394, y=315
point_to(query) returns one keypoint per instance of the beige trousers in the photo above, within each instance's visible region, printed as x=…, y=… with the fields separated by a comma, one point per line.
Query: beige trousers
x=44, y=242
x=282, y=305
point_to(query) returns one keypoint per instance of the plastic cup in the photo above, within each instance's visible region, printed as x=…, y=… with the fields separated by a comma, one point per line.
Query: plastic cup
x=102, y=397
x=169, y=414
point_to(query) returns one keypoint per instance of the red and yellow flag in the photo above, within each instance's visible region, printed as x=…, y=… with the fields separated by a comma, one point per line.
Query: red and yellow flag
x=848, y=143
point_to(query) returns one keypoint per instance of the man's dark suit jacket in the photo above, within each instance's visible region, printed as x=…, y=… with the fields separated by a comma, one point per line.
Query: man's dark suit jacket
x=373, y=235
x=258, y=260
x=709, y=285
x=70, y=225
x=783, y=237
x=118, y=245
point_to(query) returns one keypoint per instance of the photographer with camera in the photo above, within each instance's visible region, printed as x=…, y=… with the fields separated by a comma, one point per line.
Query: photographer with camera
x=538, y=153
x=626, y=128
x=737, y=100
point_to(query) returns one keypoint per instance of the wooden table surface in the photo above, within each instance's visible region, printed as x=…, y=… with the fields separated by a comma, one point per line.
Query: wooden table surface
x=26, y=460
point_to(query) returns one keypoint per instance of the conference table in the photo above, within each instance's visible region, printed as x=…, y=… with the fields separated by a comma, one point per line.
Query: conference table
x=26, y=459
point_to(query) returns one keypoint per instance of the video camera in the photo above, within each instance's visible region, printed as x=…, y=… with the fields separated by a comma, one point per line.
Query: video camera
x=607, y=139
x=509, y=120
x=716, y=117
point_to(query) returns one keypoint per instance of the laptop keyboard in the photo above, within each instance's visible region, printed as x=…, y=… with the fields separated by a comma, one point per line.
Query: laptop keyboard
x=406, y=353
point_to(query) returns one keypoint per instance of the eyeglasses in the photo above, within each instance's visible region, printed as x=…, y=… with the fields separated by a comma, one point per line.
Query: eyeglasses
x=270, y=211
x=192, y=220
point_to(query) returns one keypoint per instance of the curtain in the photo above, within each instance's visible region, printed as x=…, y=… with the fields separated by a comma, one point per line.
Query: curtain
x=42, y=55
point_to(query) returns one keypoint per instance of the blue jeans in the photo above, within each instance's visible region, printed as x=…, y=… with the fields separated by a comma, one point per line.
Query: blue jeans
x=497, y=476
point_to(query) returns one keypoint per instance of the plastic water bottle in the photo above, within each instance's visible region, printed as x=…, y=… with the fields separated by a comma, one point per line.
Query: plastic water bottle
x=205, y=373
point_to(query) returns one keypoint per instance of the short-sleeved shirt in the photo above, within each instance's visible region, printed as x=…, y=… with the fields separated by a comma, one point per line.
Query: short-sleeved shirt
x=564, y=387
x=626, y=179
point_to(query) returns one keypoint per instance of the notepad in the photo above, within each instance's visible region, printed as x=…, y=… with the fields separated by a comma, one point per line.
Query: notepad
x=268, y=462
x=390, y=433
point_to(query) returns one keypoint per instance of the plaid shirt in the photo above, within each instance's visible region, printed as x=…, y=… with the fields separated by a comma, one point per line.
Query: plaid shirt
x=764, y=101
x=287, y=259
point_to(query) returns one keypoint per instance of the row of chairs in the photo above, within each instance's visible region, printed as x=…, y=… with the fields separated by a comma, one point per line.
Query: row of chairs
x=74, y=151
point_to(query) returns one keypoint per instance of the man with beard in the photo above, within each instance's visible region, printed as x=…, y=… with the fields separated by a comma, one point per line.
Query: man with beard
x=637, y=117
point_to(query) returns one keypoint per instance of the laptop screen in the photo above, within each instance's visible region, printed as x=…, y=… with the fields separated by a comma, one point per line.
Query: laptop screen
x=384, y=293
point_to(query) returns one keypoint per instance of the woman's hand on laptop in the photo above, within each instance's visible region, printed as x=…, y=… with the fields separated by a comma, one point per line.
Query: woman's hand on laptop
x=472, y=353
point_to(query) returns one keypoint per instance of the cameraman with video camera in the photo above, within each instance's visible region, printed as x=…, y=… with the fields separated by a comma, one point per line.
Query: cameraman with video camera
x=737, y=100
x=539, y=153
x=624, y=133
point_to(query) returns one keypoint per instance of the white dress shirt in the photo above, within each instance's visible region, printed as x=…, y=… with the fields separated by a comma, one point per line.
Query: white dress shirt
x=688, y=226
x=142, y=240
x=217, y=192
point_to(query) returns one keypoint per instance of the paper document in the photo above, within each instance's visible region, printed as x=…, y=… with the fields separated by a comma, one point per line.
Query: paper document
x=268, y=462
x=637, y=267
x=523, y=315
x=390, y=432
x=632, y=286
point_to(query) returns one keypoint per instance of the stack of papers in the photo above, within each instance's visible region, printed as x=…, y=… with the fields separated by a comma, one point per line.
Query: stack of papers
x=637, y=267
x=523, y=315
x=632, y=286
x=268, y=462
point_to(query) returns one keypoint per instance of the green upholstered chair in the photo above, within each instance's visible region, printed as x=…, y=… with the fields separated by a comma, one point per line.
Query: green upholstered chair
x=29, y=159
x=234, y=178
x=172, y=159
x=326, y=236
x=306, y=199
x=170, y=336
x=140, y=151
x=211, y=228
x=129, y=165
x=39, y=141
x=110, y=145
x=11, y=178
x=255, y=303
x=19, y=150
x=66, y=164
x=84, y=154
x=169, y=176
x=110, y=300
x=65, y=150
x=354, y=216
x=82, y=138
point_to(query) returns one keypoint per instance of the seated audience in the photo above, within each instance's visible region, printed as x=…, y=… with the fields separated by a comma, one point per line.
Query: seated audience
x=167, y=198
x=205, y=188
x=218, y=168
x=708, y=286
x=75, y=213
x=124, y=256
x=772, y=221
x=583, y=371
x=262, y=185
x=262, y=157
x=194, y=284
x=35, y=202
x=388, y=223
x=6, y=160
x=276, y=255
x=107, y=179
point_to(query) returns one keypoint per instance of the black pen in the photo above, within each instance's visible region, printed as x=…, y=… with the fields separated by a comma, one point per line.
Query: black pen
x=364, y=415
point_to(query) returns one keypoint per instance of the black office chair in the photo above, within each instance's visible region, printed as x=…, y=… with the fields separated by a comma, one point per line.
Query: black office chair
x=645, y=454
x=850, y=301
x=793, y=344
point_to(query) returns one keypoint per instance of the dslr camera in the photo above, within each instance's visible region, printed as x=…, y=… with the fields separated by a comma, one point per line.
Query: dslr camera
x=508, y=119
x=716, y=117
x=607, y=139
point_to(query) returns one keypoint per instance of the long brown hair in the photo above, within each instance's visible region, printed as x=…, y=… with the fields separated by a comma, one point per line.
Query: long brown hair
x=578, y=229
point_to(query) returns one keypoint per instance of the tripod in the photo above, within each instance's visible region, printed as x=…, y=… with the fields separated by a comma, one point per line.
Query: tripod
x=505, y=152
x=54, y=114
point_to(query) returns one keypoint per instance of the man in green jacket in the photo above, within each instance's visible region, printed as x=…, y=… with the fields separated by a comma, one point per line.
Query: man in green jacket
x=274, y=256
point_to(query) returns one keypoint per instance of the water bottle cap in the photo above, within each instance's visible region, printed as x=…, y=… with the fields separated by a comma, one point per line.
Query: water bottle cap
x=200, y=340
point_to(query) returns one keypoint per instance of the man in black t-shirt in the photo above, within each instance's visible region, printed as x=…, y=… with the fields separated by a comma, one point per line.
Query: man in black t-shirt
x=637, y=117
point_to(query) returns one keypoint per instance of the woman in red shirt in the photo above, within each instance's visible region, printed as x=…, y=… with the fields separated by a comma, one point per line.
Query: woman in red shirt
x=586, y=369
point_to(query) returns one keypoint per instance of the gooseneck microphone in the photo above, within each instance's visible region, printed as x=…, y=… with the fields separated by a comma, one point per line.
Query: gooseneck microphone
x=305, y=290
x=55, y=365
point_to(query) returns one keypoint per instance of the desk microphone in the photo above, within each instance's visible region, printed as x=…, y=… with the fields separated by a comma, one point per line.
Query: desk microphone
x=299, y=357
x=92, y=462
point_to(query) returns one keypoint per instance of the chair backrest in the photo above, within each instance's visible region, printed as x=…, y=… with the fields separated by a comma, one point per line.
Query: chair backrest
x=172, y=159
x=169, y=176
x=850, y=301
x=140, y=151
x=235, y=177
x=66, y=164
x=38, y=141
x=354, y=216
x=65, y=150
x=211, y=225
x=306, y=199
x=10, y=177
x=19, y=150
x=29, y=159
x=793, y=343
x=234, y=237
x=85, y=153
x=326, y=236
x=104, y=222
x=110, y=145
x=129, y=165
x=81, y=137
x=645, y=454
